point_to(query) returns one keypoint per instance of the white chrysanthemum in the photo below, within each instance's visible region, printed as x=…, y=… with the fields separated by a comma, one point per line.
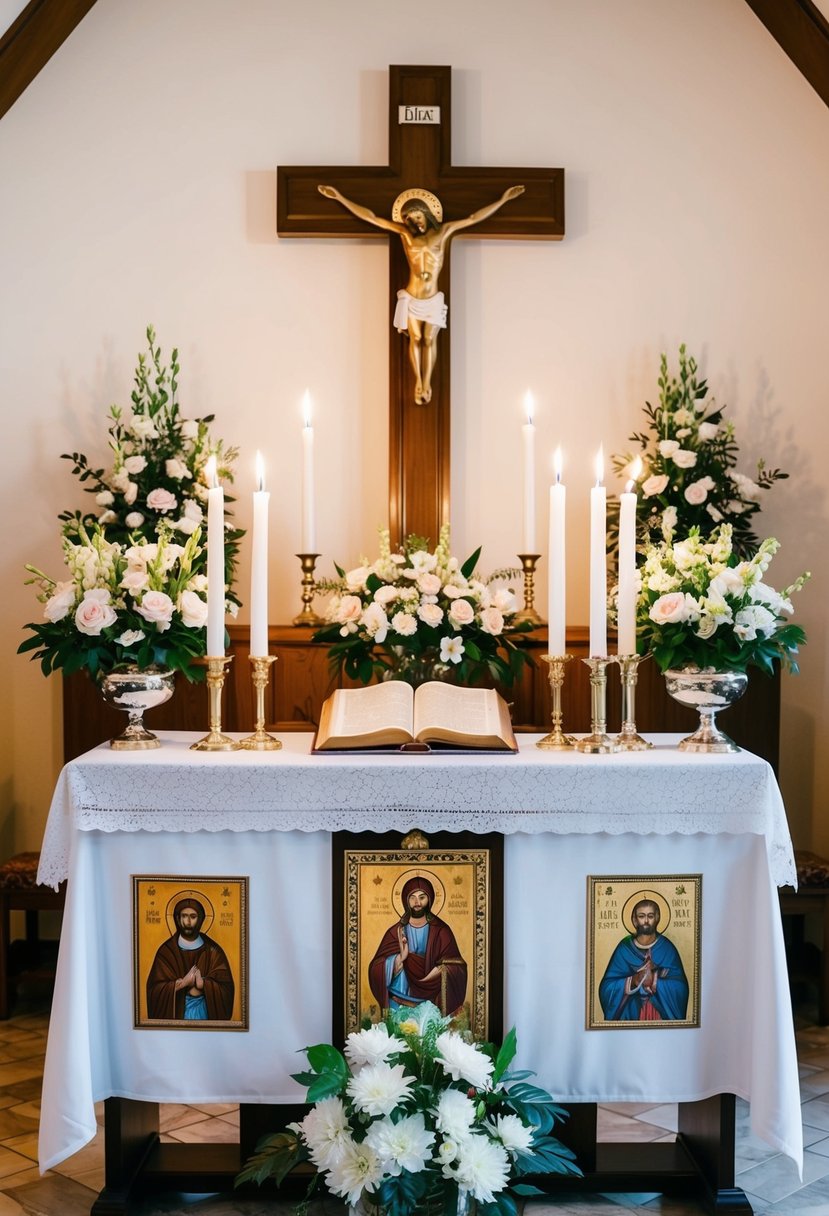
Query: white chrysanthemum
x=404, y=623
x=455, y=1114
x=326, y=1132
x=378, y=1088
x=462, y=1060
x=357, y=1170
x=482, y=1168
x=401, y=1146
x=513, y=1134
x=372, y=1045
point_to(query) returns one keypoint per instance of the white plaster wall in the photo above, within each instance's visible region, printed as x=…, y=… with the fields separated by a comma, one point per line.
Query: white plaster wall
x=137, y=184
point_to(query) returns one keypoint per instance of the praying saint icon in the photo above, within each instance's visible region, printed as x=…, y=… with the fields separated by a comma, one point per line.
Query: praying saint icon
x=417, y=218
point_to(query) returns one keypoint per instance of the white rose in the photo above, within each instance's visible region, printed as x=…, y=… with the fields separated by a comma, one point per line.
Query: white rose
x=667, y=447
x=60, y=602
x=142, y=427
x=130, y=636
x=429, y=584
x=430, y=614
x=461, y=613
x=193, y=610
x=189, y=429
x=185, y=525
x=696, y=493
x=192, y=510
x=134, y=581
x=504, y=599
x=385, y=594
x=654, y=485
x=161, y=500
x=134, y=520
x=745, y=486
x=107, y=517
x=684, y=458
x=119, y=481
x=707, y=430
x=707, y=626
x=492, y=620
x=135, y=464
x=198, y=583
x=130, y=493
x=175, y=469
x=92, y=615
x=355, y=580
x=157, y=608
x=668, y=522
x=104, y=499
x=668, y=609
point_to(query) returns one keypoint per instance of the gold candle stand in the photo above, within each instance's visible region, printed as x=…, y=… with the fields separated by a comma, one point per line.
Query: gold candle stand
x=556, y=741
x=215, y=741
x=629, y=740
x=260, y=740
x=598, y=742
x=307, y=616
x=528, y=612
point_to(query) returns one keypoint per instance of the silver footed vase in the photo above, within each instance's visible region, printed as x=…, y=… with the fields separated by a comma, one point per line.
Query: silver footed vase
x=135, y=692
x=708, y=692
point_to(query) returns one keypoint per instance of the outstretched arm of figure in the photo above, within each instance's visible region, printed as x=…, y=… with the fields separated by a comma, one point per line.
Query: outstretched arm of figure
x=362, y=213
x=483, y=213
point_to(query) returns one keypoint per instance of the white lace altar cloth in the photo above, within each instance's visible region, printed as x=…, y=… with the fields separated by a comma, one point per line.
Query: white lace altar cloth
x=174, y=789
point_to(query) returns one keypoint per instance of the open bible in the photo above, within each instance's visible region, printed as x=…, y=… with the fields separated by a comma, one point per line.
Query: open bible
x=432, y=717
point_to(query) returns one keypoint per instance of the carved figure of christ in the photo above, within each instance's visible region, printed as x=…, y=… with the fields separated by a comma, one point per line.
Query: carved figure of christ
x=419, y=168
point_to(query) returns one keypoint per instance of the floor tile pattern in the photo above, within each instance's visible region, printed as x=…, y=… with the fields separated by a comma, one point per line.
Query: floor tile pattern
x=768, y=1178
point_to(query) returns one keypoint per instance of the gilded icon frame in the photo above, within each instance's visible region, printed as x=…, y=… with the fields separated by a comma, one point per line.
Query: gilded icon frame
x=224, y=901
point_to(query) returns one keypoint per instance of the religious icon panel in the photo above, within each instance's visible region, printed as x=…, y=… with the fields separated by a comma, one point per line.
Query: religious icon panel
x=190, y=952
x=417, y=927
x=643, y=951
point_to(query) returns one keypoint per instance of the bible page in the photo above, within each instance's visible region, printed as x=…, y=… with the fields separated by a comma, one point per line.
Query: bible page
x=377, y=715
x=475, y=717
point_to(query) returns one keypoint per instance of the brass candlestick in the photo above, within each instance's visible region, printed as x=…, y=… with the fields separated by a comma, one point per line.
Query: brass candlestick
x=528, y=612
x=260, y=740
x=307, y=616
x=556, y=741
x=629, y=740
x=598, y=742
x=215, y=741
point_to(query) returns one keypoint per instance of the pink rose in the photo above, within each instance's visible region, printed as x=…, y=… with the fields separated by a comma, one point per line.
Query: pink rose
x=461, y=613
x=193, y=610
x=654, y=485
x=135, y=581
x=93, y=615
x=684, y=458
x=429, y=584
x=161, y=500
x=669, y=609
x=350, y=609
x=157, y=608
x=492, y=620
x=696, y=493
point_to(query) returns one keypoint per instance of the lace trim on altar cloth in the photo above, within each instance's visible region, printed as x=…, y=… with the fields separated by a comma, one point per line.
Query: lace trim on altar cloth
x=663, y=794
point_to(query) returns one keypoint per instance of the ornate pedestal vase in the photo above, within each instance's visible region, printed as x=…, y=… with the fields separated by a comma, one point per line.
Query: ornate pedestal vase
x=135, y=692
x=708, y=692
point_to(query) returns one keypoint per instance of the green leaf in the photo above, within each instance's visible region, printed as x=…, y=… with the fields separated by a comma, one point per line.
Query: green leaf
x=471, y=562
x=325, y=1058
x=506, y=1054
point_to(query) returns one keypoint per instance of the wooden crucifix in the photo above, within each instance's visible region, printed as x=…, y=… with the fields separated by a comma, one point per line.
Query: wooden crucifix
x=420, y=168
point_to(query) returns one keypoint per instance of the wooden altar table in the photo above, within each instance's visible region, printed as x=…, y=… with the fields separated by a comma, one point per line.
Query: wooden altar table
x=564, y=817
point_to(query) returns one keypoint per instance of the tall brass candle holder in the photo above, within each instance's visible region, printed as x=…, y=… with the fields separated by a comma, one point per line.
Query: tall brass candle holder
x=556, y=741
x=307, y=616
x=528, y=612
x=260, y=740
x=215, y=741
x=598, y=742
x=629, y=740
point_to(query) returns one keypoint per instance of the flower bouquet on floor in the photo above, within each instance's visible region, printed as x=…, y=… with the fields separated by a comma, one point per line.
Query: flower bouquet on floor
x=421, y=615
x=416, y=1117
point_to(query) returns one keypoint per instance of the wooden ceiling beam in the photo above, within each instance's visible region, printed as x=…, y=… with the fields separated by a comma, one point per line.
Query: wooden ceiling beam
x=31, y=41
x=803, y=32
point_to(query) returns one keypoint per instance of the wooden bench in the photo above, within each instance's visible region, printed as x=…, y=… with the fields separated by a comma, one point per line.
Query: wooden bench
x=19, y=892
x=812, y=895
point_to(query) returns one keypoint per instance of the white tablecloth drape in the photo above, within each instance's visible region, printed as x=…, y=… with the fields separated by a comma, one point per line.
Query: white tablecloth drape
x=745, y=1043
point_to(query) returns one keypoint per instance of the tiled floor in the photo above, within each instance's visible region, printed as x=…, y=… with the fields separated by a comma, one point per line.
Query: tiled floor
x=769, y=1179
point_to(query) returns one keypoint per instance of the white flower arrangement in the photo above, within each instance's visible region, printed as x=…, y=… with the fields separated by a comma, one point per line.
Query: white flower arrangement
x=689, y=477
x=700, y=606
x=414, y=1114
x=156, y=478
x=142, y=604
x=418, y=613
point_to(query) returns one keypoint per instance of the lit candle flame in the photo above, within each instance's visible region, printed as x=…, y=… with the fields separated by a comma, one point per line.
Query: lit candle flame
x=557, y=463
x=260, y=471
x=529, y=407
x=306, y=408
x=635, y=474
x=600, y=465
x=210, y=473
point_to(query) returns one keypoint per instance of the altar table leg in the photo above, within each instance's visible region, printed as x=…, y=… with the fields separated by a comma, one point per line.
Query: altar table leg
x=707, y=1131
x=130, y=1134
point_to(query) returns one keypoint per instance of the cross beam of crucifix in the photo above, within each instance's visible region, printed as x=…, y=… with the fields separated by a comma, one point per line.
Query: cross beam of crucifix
x=420, y=163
